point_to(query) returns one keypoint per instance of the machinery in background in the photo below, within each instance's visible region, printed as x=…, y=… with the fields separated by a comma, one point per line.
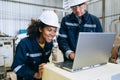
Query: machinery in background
x=7, y=50
x=19, y=37
x=6, y=55
x=56, y=55
x=22, y=34
x=3, y=72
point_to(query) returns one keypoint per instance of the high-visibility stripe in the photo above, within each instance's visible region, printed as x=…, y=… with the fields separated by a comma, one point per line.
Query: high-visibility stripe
x=71, y=24
x=18, y=67
x=63, y=35
x=90, y=25
x=34, y=55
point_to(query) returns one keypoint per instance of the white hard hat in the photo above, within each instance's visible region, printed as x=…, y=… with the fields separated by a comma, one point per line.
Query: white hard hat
x=76, y=2
x=49, y=17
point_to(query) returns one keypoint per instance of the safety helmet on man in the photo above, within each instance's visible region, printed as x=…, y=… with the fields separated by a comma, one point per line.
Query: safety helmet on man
x=50, y=18
x=76, y=2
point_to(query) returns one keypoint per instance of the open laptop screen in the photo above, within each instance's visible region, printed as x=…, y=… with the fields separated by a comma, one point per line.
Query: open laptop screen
x=93, y=49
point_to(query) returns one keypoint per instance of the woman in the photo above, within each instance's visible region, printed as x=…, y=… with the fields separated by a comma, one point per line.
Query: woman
x=33, y=52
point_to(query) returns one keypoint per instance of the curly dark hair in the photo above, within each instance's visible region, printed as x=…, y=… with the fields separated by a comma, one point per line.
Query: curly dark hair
x=33, y=28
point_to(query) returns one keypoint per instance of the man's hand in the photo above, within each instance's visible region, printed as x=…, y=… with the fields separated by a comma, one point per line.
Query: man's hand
x=72, y=55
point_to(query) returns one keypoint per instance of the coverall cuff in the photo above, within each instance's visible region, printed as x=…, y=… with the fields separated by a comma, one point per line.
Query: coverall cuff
x=68, y=53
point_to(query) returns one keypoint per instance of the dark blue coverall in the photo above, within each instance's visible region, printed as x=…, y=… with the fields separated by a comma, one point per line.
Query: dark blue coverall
x=70, y=28
x=28, y=56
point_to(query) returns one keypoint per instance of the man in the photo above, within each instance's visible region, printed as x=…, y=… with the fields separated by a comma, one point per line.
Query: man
x=78, y=21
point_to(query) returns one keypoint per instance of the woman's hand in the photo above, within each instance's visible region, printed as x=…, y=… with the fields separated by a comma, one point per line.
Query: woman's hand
x=41, y=66
x=38, y=75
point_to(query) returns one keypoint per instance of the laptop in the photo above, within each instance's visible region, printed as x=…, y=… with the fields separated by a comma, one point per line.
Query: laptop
x=93, y=49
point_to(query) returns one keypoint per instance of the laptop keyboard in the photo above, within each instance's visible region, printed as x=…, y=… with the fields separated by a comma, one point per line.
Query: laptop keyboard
x=68, y=64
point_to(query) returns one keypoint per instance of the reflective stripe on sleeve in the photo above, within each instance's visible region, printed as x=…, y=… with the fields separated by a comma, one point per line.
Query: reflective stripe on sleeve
x=18, y=67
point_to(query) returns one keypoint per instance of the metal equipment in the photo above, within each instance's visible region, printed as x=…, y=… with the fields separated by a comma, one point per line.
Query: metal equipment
x=7, y=50
x=2, y=68
x=6, y=56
